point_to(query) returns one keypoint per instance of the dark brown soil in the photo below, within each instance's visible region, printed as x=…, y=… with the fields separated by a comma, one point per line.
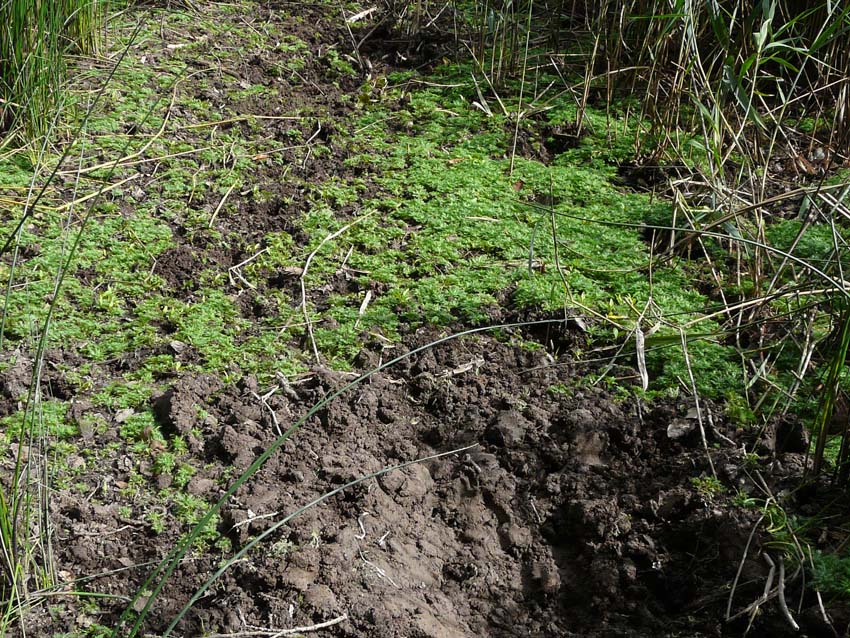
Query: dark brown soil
x=572, y=514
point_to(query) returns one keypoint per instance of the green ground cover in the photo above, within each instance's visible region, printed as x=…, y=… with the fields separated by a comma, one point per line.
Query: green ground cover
x=432, y=218
x=455, y=224
x=452, y=229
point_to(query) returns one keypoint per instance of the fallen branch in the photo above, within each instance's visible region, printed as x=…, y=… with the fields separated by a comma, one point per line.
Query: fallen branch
x=276, y=633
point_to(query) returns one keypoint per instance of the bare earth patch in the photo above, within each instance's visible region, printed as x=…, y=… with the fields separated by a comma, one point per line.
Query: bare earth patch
x=572, y=514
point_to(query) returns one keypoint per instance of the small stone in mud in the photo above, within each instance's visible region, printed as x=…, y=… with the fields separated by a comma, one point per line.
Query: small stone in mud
x=200, y=486
x=298, y=578
x=582, y=418
x=81, y=551
x=123, y=415
x=680, y=428
x=177, y=346
x=515, y=536
x=77, y=411
x=321, y=598
x=419, y=482
x=412, y=482
x=76, y=463
x=546, y=576
x=139, y=603
x=508, y=430
x=588, y=448
x=671, y=504
x=86, y=430
x=233, y=621
x=392, y=481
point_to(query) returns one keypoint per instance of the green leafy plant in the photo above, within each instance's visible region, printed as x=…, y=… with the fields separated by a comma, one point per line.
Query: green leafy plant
x=831, y=573
x=27, y=565
x=709, y=487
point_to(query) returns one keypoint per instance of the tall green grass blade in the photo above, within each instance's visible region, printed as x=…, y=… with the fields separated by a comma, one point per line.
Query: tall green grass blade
x=828, y=400
x=33, y=203
x=26, y=501
x=35, y=35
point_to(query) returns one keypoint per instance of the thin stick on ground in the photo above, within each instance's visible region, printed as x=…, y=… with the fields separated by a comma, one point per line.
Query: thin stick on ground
x=221, y=204
x=696, y=401
x=263, y=399
x=741, y=568
x=237, y=269
x=275, y=633
x=781, y=592
x=768, y=586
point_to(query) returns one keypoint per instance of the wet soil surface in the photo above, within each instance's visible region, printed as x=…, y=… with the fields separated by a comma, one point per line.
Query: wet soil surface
x=564, y=513
x=556, y=508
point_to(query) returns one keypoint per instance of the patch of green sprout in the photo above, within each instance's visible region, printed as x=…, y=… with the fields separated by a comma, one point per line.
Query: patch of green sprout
x=708, y=487
x=156, y=519
x=751, y=460
x=338, y=64
x=50, y=418
x=189, y=510
x=744, y=500
x=561, y=389
x=124, y=394
x=164, y=463
x=178, y=445
x=96, y=630
x=283, y=548
x=142, y=432
x=739, y=411
x=831, y=573
x=182, y=475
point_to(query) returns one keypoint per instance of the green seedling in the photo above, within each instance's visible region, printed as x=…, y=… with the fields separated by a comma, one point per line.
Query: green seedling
x=708, y=487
